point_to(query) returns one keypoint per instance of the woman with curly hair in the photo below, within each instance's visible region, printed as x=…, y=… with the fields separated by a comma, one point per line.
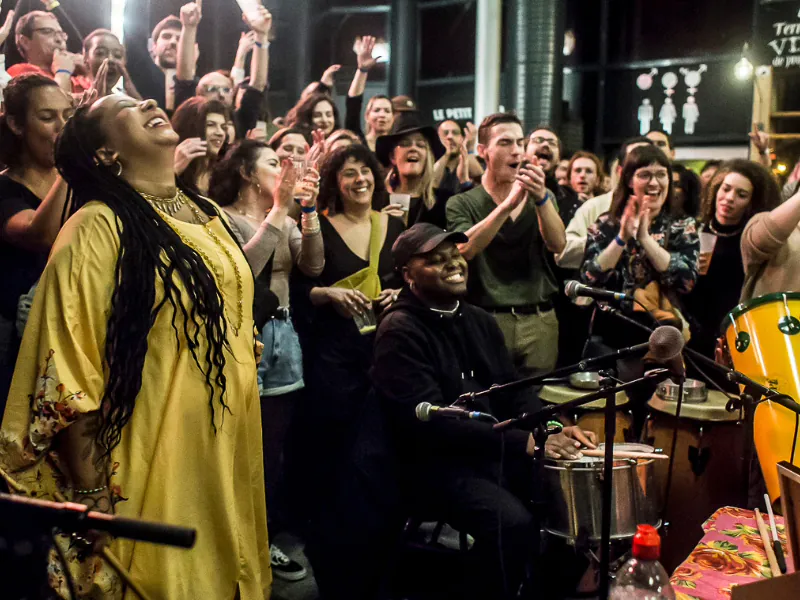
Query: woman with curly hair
x=739, y=190
x=135, y=392
x=358, y=280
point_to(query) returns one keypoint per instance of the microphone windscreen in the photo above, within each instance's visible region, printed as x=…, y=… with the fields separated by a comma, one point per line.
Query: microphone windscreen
x=423, y=411
x=665, y=348
x=571, y=288
x=665, y=342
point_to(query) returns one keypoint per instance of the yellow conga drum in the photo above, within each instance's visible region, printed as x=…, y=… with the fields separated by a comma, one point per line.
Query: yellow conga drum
x=763, y=338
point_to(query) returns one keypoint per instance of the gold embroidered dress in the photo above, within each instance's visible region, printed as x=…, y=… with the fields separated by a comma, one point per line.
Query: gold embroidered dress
x=170, y=465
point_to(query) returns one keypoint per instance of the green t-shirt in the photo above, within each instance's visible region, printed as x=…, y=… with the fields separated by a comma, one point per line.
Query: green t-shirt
x=513, y=269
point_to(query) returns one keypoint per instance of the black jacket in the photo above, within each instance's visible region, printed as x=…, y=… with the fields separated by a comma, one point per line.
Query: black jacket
x=422, y=356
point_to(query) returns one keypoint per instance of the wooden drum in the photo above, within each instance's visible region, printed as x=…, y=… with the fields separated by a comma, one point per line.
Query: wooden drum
x=708, y=470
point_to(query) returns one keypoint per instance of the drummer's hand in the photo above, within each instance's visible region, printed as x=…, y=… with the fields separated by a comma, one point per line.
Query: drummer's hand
x=584, y=436
x=561, y=446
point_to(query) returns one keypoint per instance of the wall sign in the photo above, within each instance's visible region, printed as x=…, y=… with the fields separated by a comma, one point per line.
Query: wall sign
x=778, y=37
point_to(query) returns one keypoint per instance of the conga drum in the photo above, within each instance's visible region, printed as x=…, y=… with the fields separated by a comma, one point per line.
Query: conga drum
x=764, y=344
x=707, y=471
x=592, y=415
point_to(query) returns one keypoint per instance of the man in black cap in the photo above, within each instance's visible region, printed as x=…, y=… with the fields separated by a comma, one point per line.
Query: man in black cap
x=431, y=346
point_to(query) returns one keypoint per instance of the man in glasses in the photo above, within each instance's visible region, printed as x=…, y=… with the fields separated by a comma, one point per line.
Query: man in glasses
x=42, y=43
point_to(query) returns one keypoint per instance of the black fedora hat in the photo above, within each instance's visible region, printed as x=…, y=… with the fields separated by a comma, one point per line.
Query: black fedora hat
x=404, y=124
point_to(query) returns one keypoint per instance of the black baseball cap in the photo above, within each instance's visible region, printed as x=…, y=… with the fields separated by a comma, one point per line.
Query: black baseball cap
x=421, y=239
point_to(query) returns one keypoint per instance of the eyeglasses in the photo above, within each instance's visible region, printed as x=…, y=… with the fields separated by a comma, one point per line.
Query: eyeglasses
x=212, y=89
x=50, y=32
x=544, y=140
x=647, y=176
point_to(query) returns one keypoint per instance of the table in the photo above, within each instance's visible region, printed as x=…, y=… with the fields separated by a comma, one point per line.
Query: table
x=730, y=553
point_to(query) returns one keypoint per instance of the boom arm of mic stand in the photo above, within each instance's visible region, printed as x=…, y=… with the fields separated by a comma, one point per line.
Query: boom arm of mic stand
x=584, y=365
x=535, y=418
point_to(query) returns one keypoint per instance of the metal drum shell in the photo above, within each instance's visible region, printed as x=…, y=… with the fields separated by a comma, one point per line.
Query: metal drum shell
x=576, y=496
x=591, y=416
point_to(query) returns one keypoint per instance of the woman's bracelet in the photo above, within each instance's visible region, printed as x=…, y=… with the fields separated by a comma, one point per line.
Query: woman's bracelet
x=622, y=243
x=310, y=222
x=543, y=201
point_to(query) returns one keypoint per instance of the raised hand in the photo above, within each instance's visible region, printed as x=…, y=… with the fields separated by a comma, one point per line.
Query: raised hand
x=188, y=150
x=316, y=151
x=6, y=28
x=327, y=76
x=283, y=194
x=363, y=49
x=101, y=83
x=760, y=139
x=308, y=188
x=246, y=43
x=470, y=136
x=462, y=170
x=259, y=21
x=192, y=14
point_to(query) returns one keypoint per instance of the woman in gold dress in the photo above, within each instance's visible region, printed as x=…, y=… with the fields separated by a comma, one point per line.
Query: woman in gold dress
x=135, y=389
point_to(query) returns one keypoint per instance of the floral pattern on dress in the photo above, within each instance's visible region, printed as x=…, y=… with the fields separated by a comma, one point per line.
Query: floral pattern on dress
x=634, y=270
x=731, y=553
x=52, y=406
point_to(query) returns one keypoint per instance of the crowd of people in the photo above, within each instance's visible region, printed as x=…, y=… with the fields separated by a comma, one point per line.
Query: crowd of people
x=216, y=319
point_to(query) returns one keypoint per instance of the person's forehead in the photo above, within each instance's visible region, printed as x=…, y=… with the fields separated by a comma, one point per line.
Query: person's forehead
x=545, y=133
x=323, y=106
x=657, y=136
x=653, y=166
x=216, y=118
x=169, y=32
x=583, y=162
x=293, y=139
x=383, y=103
x=215, y=79
x=450, y=126
x=353, y=163
x=507, y=130
x=46, y=21
x=105, y=40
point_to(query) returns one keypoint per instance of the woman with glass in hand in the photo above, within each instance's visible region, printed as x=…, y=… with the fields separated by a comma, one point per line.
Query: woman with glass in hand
x=739, y=190
x=357, y=282
x=257, y=194
x=135, y=391
x=410, y=152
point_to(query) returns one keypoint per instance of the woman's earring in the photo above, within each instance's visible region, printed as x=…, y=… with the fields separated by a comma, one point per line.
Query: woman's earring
x=411, y=285
x=119, y=168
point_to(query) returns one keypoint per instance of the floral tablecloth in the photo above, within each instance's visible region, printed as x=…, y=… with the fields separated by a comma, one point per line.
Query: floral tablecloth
x=730, y=553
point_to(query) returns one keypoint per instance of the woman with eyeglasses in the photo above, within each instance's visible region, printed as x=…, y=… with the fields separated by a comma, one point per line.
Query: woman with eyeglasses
x=640, y=240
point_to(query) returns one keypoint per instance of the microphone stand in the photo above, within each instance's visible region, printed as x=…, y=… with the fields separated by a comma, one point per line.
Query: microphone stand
x=538, y=418
x=754, y=393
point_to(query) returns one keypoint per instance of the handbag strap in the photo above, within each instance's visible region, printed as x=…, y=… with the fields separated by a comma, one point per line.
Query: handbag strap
x=375, y=241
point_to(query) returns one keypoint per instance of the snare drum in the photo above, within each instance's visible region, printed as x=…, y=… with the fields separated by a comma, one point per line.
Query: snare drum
x=576, y=495
x=707, y=472
x=591, y=416
x=764, y=344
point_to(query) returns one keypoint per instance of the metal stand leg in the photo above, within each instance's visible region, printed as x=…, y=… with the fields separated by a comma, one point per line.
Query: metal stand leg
x=608, y=474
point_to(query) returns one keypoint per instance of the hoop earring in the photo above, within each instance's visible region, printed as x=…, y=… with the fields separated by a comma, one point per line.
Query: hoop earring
x=119, y=168
x=411, y=285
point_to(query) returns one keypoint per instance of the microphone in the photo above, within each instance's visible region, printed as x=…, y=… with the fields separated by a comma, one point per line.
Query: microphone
x=575, y=289
x=426, y=411
x=666, y=349
x=72, y=517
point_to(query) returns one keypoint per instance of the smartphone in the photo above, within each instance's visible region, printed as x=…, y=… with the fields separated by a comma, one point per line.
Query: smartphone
x=249, y=7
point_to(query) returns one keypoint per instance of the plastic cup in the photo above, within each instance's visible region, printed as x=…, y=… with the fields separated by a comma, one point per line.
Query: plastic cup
x=365, y=321
x=707, y=242
x=403, y=200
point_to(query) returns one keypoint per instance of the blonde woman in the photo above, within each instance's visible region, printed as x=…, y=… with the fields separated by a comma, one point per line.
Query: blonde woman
x=409, y=153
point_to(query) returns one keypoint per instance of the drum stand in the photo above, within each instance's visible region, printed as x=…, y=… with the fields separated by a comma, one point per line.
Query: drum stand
x=536, y=423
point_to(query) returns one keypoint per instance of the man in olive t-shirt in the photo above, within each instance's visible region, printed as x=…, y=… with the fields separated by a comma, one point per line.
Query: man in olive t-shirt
x=512, y=223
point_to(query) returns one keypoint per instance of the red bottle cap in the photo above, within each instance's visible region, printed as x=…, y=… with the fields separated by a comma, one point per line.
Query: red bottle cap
x=646, y=543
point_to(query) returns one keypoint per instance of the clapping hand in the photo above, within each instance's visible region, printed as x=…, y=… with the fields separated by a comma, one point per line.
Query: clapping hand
x=629, y=224
x=470, y=136
x=532, y=179
x=318, y=149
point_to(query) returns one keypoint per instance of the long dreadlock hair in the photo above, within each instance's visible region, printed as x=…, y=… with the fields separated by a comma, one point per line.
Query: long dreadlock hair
x=149, y=248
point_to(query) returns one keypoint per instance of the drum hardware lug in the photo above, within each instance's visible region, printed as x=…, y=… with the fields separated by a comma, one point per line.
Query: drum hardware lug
x=699, y=458
x=788, y=325
x=742, y=337
x=735, y=403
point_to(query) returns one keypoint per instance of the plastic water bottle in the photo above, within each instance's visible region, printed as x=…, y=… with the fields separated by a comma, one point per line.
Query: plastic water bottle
x=643, y=577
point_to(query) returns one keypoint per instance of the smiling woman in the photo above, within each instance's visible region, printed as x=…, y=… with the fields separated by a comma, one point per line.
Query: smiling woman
x=357, y=282
x=151, y=404
x=201, y=125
